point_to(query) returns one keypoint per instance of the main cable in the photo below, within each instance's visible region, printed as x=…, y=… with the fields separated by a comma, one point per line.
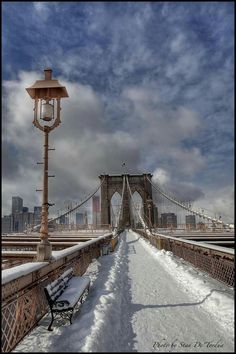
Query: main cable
x=76, y=207
x=186, y=207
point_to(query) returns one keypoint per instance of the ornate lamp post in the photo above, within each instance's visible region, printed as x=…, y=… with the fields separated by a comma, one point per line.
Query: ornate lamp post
x=47, y=94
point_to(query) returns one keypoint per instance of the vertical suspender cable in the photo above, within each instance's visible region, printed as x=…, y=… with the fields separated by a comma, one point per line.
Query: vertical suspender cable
x=186, y=207
x=76, y=207
x=138, y=213
x=121, y=205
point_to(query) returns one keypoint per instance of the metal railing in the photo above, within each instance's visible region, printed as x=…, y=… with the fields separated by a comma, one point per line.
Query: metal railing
x=218, y=263
x=71, y=227
x=23, y=299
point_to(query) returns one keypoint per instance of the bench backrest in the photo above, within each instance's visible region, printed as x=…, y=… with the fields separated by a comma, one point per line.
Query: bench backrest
x=56, y=288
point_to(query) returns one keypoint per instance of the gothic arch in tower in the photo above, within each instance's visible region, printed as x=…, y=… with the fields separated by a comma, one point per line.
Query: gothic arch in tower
x=113, y=184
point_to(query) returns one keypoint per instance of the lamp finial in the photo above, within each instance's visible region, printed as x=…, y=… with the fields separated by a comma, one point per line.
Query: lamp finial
x=48, y=74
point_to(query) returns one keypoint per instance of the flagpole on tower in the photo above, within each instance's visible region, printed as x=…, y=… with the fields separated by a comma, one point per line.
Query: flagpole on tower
x=124, y=166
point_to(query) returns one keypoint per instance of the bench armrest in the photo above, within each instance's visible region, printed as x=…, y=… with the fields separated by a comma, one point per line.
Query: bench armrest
x=61, y=304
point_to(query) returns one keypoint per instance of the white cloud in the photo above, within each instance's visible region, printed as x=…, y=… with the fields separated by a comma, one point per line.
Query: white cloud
x=177, y=44
x=17, y=120
x=144, y=101
x=160, y=176
x=42, y=10
x=188, y=161
x=218, y=202
x=85, y=148
x=187, y=121
x=163, y=128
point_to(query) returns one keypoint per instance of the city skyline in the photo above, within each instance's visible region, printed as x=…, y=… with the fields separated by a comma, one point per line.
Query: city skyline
x=150, y=84
x=90, y=210
x=16, y=200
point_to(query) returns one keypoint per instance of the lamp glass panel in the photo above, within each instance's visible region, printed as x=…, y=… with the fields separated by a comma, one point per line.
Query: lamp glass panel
x=47, y=111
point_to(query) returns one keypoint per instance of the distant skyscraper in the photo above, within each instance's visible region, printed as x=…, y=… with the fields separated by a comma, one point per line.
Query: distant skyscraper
x=64, y=220
x=20, y=221
x=37, y=215
x=7, y=224
x=37, y=210
x=79, y=218
x=85, y=218
x=168, y=220
x=25, y=209
x=30, y=218
x=17, y=205
x=96, y=210
x=190, y=221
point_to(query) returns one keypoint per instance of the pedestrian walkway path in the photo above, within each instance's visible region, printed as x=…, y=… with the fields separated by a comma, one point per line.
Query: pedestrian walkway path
x=142, y=299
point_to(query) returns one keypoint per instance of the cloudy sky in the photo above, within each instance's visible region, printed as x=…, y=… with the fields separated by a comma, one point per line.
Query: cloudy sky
x=150, y=84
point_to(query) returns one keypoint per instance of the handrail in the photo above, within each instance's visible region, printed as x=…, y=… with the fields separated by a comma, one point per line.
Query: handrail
x=23, y=299
x=6, y=278
x=196, y=243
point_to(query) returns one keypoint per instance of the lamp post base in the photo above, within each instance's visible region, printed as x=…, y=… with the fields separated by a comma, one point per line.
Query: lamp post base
x=44, y=252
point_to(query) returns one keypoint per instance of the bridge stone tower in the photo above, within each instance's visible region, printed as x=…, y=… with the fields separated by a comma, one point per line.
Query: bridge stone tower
x=114, y=183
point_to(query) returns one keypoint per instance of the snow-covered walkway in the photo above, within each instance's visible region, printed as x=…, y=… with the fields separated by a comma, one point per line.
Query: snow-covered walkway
x=143, y=300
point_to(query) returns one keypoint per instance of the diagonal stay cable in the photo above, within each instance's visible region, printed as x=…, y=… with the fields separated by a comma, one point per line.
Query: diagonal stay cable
x=121, y=204
x=76, y=207
x=157, y=188
x=138, y=213
x=79, y=205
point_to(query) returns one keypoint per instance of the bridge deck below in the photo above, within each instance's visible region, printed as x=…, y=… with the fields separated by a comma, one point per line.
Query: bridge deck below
x=143, y=300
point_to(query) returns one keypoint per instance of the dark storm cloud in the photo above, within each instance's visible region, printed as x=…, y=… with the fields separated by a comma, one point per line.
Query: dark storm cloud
x=10, y=166
x=149, y=83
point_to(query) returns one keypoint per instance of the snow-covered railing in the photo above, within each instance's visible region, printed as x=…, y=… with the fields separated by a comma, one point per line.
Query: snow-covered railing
x=23, y=298
x=215, y=260
x=224, y=250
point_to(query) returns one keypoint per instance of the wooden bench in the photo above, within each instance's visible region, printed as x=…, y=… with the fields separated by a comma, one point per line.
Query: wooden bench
x=64, y=293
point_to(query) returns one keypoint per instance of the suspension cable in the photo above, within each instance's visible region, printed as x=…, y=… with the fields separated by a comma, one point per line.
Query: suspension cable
x=73, y=209
x=117, y=220
x=186, y=207
x=138, y=213
x=79, y=205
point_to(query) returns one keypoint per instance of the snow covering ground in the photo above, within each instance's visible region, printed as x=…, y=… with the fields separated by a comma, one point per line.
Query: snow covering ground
x=143, y=300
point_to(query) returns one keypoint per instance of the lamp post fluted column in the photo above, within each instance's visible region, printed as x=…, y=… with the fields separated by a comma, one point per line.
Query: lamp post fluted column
x=47, y=94
x=45, y=206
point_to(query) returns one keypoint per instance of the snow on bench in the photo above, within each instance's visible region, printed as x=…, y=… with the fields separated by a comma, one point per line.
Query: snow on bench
x=64, y=293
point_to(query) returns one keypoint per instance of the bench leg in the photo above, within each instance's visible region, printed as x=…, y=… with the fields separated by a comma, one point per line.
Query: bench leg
x=85, y=294
x=49, y=327
x=71, y=316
